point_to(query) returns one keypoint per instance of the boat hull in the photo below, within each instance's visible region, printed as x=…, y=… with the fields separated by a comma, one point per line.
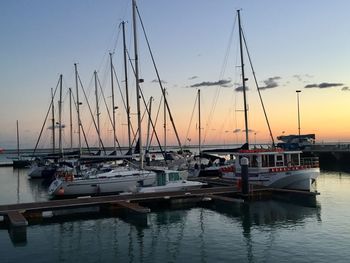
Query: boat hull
x=99, y=186
x=297, y=179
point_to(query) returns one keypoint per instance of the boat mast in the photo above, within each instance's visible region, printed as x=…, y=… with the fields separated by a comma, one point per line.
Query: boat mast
x=126, y=85
x=137, y=82
x=149, y=124
x=165, y=109
x=113, y=106
x=53, y=122
x=199, y=124
x=17, y=140
x=60, y=119
x=243, y=79
x=97, y=112
x=70, y=119
x=78, y=104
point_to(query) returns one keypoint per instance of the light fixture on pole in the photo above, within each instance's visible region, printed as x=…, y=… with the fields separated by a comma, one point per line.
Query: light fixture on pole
x=298, y=91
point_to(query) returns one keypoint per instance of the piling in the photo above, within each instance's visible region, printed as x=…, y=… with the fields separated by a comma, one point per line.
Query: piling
x=244, y=175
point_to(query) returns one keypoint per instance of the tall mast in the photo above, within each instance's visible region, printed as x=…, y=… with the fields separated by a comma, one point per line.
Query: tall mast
x=165, y=120
x=70, y=119
x=113, y=106
x=60, y=119
x=137, y=82
x=78, y=104
x=97, y=112
x=199, y=123
x=126, y=85
x=17, y=140
x=53, y=122
x=149, y=123
x=243, y=79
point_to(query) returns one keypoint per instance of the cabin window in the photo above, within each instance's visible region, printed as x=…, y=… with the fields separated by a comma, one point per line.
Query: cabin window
x=174, y=177
x=264, y=161
x=279, y=160
x=271, y=160
x=254, y=161
x=161, y=179
x=294, y=159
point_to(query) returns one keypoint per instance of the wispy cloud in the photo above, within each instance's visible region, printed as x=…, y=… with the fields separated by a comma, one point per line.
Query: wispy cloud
x=345, y=89
x=193, y=77
x=222, y=83
x=236, y=130
x=240, y=88
x=156, y=81
x=323, y=85
x=270, y=83
x=302, y=77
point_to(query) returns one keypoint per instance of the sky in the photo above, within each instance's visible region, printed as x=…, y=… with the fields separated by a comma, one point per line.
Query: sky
x=294, y=45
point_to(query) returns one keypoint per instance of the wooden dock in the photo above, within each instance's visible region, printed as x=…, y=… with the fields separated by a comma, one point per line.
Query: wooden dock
x=128, y=206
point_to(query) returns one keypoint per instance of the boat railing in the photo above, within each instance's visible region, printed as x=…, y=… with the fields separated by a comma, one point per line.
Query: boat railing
x=310, y=161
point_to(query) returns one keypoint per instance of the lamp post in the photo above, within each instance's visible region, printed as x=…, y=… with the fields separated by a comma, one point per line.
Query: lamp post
x=298, y=91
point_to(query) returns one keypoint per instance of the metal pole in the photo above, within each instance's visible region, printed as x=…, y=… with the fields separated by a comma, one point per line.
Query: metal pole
x=113, y=106
x=60, y=119
x=53, y=121
x=243, y=79
x=17, y=140
x=244, y=175
x=97, y=112
x=137, y=83
x=78, y=104
x=298, y=91
x=126, y=85
x=199, y=124
x=164, y=121
x=70, y=119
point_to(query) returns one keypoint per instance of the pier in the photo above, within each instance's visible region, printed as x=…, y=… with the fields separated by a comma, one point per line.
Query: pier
x=132, y=208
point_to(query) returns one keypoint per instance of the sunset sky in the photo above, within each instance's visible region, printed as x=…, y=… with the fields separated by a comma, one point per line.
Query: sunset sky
x=294, y=45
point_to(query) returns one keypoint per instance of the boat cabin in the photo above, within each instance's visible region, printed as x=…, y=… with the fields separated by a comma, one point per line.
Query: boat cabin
x=168, y=176
x=269, y=159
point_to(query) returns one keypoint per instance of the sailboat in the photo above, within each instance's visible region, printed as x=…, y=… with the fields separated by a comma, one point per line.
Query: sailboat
x=272, y=167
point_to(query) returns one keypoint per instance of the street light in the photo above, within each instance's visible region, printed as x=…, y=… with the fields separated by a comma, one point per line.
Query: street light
x=298, y=91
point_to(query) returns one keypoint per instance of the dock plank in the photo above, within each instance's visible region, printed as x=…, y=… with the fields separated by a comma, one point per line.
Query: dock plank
x=100, y=200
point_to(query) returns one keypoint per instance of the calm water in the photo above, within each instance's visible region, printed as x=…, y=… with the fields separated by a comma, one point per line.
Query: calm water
x=265, y=231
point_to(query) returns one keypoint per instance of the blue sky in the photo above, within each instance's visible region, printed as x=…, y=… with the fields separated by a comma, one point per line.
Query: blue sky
x=305, y=39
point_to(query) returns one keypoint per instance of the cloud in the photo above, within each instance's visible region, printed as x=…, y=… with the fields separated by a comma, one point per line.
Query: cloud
x=236, y=130
x=249, y=130
x=323, y=85
x=193, y=77
x=345, y=89
x=156, y=81
x=301, y=77
x=270, y=83
x=222, y=83
x=240, y=88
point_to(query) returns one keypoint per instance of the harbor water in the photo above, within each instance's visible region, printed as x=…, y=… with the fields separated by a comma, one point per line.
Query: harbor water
x=261, y=231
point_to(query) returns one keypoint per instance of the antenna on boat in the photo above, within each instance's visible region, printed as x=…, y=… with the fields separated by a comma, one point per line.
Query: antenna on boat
x=199, y=126
x=243, y=79
x=53, y=121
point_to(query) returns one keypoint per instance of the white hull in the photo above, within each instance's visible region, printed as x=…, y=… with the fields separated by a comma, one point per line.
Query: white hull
x=296, y=179
x=126, y=182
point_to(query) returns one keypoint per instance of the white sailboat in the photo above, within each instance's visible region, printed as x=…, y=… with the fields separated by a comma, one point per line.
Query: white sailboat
x=271, y=167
